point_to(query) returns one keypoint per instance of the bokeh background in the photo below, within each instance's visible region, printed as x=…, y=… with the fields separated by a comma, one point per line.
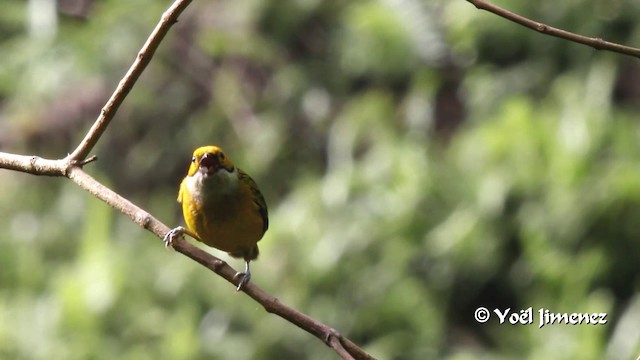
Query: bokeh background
x=420, y=159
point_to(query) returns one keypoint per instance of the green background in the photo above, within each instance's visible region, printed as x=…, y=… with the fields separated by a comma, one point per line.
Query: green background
x=420, y=159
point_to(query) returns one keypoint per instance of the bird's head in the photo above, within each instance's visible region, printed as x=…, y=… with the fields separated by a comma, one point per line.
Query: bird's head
x=209, y=160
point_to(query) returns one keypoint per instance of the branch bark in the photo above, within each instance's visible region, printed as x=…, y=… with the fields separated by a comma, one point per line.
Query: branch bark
x=145, y=54
x=71, y=167
x=596, y=43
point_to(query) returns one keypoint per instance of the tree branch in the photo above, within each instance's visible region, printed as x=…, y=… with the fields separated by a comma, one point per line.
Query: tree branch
x=38, y=166
x=596, y=43
x=71, y=167
x=33, y=164
x=145, y=54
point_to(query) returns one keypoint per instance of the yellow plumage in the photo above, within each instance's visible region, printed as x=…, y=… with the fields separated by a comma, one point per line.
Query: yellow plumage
x=222, y=207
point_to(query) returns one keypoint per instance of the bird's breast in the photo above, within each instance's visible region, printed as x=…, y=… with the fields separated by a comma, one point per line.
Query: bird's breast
x=228, y=222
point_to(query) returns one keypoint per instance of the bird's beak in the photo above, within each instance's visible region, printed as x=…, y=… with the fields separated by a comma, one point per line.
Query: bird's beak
x=209, y=164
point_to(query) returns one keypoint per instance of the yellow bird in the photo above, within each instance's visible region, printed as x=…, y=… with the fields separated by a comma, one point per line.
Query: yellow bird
x=222, y=207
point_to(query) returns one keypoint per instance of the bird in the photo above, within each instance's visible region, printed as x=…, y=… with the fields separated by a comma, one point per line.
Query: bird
x=222, y=208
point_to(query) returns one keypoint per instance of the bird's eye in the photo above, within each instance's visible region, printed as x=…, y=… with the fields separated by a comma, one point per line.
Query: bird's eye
x=221, y=156
x=193, y=159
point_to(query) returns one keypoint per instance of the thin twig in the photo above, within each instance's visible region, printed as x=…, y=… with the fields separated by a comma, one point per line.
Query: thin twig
x=90, y=159
x=145, y=54
x=596, y=43
x=335, y=341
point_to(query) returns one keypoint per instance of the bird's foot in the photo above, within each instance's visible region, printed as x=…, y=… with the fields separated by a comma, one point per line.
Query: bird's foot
x=245, y=277
x=171, y=235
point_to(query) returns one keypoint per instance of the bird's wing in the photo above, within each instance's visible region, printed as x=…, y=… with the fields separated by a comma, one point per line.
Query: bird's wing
x=258, y=199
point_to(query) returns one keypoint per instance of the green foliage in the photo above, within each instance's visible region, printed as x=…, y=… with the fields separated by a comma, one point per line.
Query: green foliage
x=419, y=159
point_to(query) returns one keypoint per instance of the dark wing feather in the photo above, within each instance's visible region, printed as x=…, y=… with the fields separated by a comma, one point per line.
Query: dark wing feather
x=258, y=199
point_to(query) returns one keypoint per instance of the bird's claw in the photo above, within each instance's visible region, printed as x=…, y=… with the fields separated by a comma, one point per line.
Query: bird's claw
x=171, y=235
x=246, y=276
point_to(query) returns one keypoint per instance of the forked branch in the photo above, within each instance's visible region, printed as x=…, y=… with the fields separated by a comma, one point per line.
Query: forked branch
x=71, y=167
